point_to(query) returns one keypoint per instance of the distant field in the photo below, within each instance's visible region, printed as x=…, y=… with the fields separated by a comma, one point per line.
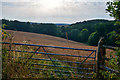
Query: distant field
x=42, y=39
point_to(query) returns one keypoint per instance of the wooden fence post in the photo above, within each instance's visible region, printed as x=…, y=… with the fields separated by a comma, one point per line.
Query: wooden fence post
x=100, y=57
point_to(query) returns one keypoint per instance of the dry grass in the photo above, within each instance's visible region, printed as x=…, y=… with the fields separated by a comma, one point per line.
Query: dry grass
x=42, y=39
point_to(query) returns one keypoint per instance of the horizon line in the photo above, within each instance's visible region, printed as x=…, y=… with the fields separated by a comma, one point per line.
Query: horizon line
x=59, y=22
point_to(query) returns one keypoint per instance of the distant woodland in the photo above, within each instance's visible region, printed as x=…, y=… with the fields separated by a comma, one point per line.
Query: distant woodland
x=88, y=32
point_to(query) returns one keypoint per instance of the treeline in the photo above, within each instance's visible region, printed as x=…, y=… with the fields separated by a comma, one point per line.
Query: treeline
x=42, y=28
x=88, y=32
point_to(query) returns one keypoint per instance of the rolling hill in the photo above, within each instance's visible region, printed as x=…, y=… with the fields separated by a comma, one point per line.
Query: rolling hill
x=42, y=39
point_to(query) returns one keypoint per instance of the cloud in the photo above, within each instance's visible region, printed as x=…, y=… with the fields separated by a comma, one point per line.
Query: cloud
x=54, y=10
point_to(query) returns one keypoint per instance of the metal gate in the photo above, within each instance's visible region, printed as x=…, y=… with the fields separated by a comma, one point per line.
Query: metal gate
x=54, y=61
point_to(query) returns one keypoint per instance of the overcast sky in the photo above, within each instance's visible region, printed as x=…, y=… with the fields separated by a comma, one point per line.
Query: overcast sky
x=54, y=11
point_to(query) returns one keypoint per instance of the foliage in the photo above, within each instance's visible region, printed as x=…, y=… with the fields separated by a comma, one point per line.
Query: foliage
x=114, y=63
x=93, y=38
x=4, y=33
x=49, y=29
x=100, y=29
x=114, y=11
x=83, y=35
x=111, y=38
x=73, y=34
x=13, y=67
x=75, y=31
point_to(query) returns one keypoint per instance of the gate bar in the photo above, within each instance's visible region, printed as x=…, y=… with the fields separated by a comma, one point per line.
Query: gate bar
x=49, y=46
x=56, y=60
x=51, y=53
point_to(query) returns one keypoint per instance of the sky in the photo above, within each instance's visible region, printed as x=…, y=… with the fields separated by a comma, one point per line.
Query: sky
x=54, y=11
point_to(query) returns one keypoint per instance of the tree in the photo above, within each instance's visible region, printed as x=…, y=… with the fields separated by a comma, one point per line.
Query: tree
x=100, y=28
x=93, y=39
x=83, y=35
x=111, y=38
x=73, y=34
x=113, y=9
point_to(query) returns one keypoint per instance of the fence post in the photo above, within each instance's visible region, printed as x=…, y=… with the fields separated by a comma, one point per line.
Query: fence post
x=100, y=57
